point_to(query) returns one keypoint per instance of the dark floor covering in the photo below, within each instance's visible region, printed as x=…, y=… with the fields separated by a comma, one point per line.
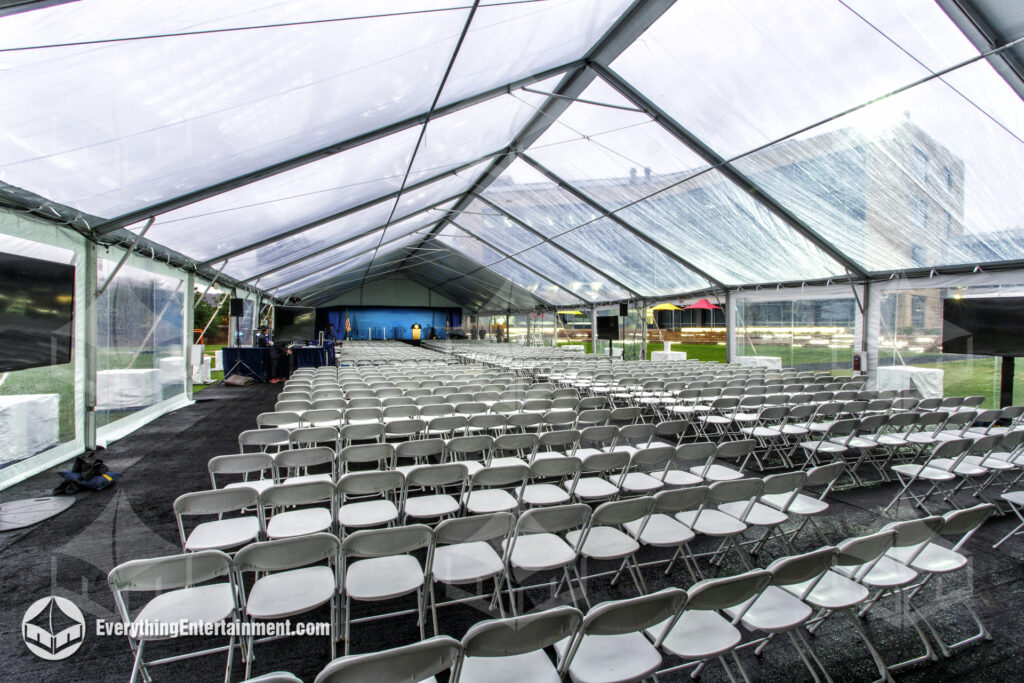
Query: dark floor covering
x=71, y=555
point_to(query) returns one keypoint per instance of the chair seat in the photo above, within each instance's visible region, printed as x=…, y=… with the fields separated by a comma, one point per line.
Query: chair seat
x=223, y=533
x=921, y=438
x=545, y=455
x=1015, y=498
x=832, y=591
x=465, y=562
x=604, y=543
x=699, y=634
x=930, y=473
x=762, y=432
x=886, y=573
x=529, y=666
x=717, y=473
x=506, y=462
x=427, y=507
x=801, y=505
x=990, y=462
x=964, y=469
x=611, y=658
x=299, y=522
x=584, y=453
x=535, y=552
x=367, y=514
x=259, y=485
x=639, y=482
x=283, y=594
x=544, y=494
x=210, y=603
x=858, y=442
x=774, y=611
x=759, y=514
x=303, y=478
x=711, y=522
x=795, y=430
x=382, y=578
x=489, y=500
x=674, y=477
x=933, y=559
x=661, y=531
x=592, y=488
x=823, y=446
x=891, y=440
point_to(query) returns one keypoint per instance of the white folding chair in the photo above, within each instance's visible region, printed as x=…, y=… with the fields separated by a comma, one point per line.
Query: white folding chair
x=446, y=484
x=384, y=569
x=464, y=554
x=369, y=499
x=417, y=662
x=512, y=649
x=193, y=588
x=297, y=509
x=221, y=533
x=292, y=576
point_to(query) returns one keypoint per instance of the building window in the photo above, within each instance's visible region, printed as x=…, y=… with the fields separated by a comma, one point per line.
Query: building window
x=918, y=306
x=947, y=175
x=919, y=213
x=920, y=164
x=917, y=254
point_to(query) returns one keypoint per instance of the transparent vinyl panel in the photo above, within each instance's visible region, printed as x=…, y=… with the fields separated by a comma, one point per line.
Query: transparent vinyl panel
x=722, y=230
x=807, y=334
x=111, y=127
x=469, y=246
x=920, y=179
x=613, y=155
x=530, y=196
x=572, y=275
x=755, y=72
x=508, y=41
x=320, y=279
x=494, y=227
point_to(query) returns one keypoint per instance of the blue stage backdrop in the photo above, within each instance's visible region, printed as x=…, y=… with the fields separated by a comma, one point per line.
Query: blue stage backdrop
x=375, y=322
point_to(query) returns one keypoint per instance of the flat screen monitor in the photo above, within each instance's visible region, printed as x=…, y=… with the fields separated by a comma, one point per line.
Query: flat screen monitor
x=986, y=326
x=37, y=303
x=292, y=323
x=607, y=327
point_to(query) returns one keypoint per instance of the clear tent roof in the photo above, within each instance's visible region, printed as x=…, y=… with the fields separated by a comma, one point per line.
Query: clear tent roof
x=510, y=153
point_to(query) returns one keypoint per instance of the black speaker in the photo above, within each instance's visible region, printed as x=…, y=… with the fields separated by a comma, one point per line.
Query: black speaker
x=607, y=327
x=237, y=308
x=623, y=310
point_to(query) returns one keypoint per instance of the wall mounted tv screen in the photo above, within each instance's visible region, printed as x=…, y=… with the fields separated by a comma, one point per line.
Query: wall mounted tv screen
x=37, y=303
x=294, y=324
x=990, y=326
x=607, y=327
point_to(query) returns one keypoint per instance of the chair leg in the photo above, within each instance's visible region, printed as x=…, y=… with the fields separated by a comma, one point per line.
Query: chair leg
x=433, y=607
x=139, y=665
x=348, y=624
x=872, y=649
x=803, y=657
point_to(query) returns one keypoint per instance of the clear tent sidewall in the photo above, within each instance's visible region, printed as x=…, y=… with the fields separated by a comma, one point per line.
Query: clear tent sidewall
x=140, y=356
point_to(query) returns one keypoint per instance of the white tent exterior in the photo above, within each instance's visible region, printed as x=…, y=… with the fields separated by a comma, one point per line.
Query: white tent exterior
x=799, y=162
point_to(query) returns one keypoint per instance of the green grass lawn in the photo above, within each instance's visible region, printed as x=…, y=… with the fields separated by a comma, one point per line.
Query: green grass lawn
x=56, y=379
x=216, y=375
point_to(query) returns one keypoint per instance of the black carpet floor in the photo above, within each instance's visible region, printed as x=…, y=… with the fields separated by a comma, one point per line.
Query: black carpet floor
x=70, y=556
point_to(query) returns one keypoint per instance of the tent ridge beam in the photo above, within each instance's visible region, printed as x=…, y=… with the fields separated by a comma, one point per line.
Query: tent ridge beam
x=322, y=152
x=726, y=168
x=618, y=220
x=460, y=276
x=556, y=245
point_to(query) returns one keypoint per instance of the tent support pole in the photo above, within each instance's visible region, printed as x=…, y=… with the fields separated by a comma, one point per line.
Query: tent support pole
x=91, y=334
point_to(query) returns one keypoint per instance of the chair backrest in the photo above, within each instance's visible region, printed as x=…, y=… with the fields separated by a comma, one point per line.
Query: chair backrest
x=728, y=591
x=367, y=452
x=559, y=438
x=516, y=442
x=278, y=419
x=215, y=502
x=371, y=482
x=287, y=553
x=305, y=457
x=965, y=522
x=419, y=448
x=406, y=664
x=699, y=451
x=914, y=531
x=556, y=467
x=322, y=416
x=396, y=540
x=302, y=493
x=622, y=511
x=784, y=482
x=864, y=550
x=362, y=432
x=474, y=528
x=800, y=568
x=735, y=450
x=470, y=444
x=401, y=411
x=672, y=501
x=606, y=462
x=170, y=572
x=518, y=635
x=238, y=463
x=436, y=475
x=262, y=437
x=734, y=490
x=825, y=475
x=633, y=614
x=652, y=457
x=500, y=476
x=553, y=519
